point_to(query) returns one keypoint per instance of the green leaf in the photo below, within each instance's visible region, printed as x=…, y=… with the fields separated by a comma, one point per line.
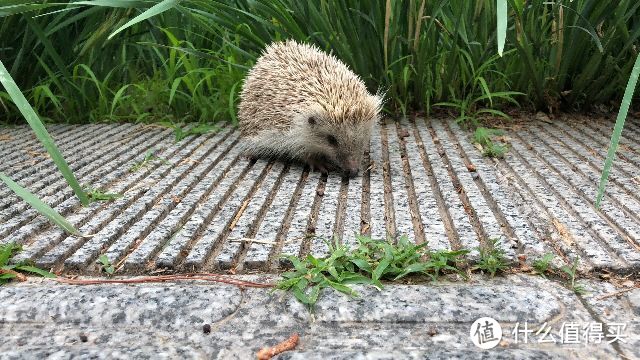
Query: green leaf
x=501, y=27
x=7, y=251
x=301, y=296
x=413, y=268
x=35, y=270
x=362, y=264
x=617, y=130
x=151, y=12
x=377, y=273
x=41, y=132
x=39, y=205
x=7, y=276
x=342, y=288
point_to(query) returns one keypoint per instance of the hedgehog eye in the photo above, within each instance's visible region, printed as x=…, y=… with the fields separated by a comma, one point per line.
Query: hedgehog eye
x=332, y=140
x=311, y=120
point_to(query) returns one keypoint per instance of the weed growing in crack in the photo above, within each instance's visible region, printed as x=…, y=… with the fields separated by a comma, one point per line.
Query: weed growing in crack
x=106, y=265
x=9, y=272
x=149, y=158
x=492, y=259
x=542, y=265
x=99, y=195
x=369, y=263
x=482, y=136
x=572, y=273
x=201, y=129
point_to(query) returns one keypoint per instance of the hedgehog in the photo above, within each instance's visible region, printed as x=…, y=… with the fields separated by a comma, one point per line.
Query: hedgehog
x=301, y=104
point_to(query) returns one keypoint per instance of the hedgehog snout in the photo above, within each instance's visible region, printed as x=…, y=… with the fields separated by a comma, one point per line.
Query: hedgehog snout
x=351, y=168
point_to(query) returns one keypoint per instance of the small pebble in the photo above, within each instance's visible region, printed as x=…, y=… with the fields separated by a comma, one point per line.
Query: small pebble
x=206, y=328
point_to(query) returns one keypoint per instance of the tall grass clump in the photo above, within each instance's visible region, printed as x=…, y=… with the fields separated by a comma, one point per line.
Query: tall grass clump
x=115, y=60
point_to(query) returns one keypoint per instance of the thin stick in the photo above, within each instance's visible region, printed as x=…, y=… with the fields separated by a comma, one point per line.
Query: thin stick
x=615, y=293
x=163, y=278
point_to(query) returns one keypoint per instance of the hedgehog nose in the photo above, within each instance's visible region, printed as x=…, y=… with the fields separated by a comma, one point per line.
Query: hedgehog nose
x=352, y=168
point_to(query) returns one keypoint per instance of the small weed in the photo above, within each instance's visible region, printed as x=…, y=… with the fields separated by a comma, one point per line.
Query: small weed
x=105, y=264
x=369, y=263
x=149, y=158
x=572, y=273
x=99, y=195
x=196, y=130
x=492, y=259
x=541, y=266
x=9, y=272
x=482, y=136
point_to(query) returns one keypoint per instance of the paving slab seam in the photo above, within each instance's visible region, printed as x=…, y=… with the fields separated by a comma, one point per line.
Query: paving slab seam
x=481, y=205
x=405, y=219
x=81, y=218
x=133, y=187
x=169, y=176
x=401, y=134
x=385, y=164
x=592, y=173
x=535, y=196
x=623, y=164
x=450, y=228
x=107, y=235
x=69, y=149
x=309, y=234
x=204, y=253
x=482, y=236
x=597, y=221
x=247, y=221
x=156, y=241
x=17, y=152
x=365, y=206
x=495, y=195
x=301, y=224
x=276, y=222
x=13, y=151
x=429, y=214
x=183, y=239
x=618, y=215
x=592, y=238
x=596, y=159
x=378, y=203
x=58, y=191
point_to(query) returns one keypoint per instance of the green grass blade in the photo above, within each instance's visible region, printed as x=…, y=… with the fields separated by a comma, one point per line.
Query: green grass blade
x=41, y=132
x=39, y=205
x=617, y=130
x=151, y=12
x=501, y=27
x=35, y=270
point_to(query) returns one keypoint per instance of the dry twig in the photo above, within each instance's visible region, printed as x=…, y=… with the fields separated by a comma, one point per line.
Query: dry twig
x=289, y=344
x=162, y=278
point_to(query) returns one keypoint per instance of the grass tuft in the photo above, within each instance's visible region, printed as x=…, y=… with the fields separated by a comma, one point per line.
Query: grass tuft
x=371, y=262
x=492, y=259
x=9, y=271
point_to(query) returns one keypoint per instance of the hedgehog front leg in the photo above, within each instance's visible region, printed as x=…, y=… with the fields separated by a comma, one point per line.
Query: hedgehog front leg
x=319, y=164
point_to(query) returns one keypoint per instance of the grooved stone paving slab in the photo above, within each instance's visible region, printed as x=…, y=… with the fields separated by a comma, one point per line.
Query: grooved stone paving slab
x=200, y=205
x=401, y=321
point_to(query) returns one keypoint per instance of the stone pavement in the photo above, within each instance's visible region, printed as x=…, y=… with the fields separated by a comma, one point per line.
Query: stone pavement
x=41, y=319
x=195, y=205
